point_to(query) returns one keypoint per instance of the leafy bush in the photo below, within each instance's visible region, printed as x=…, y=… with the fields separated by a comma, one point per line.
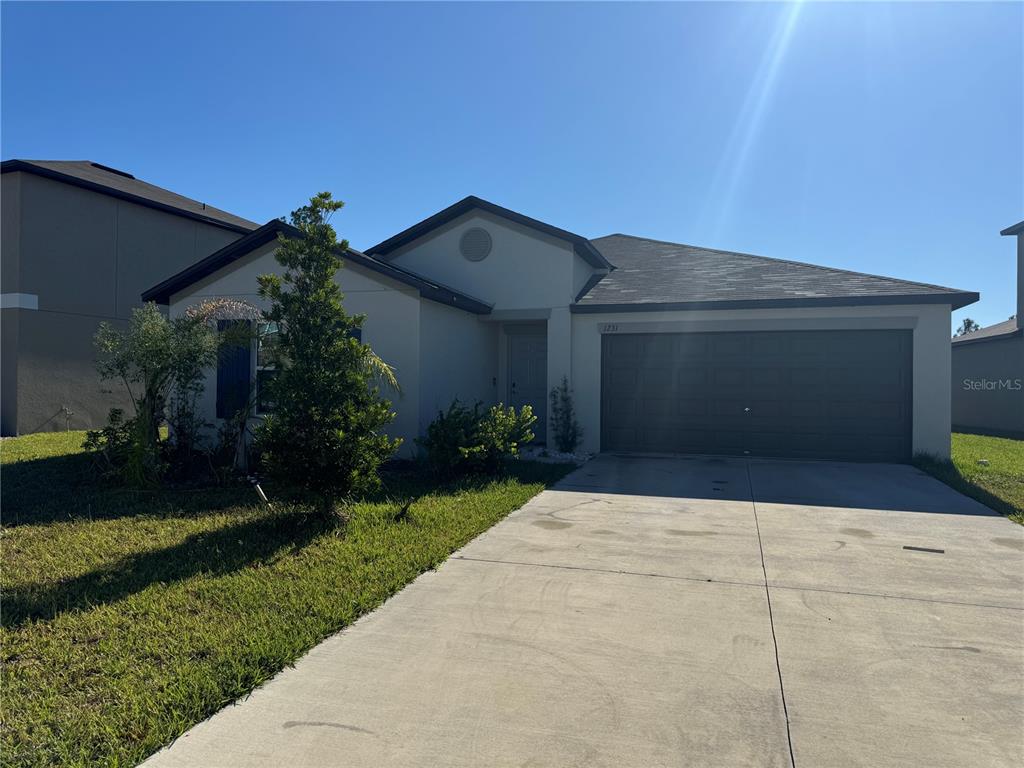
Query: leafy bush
x=160, y=362
x=162, y=365
x=465, y=440
x=565, y=429
x=448, y=435
x=119, y=452
x=324, y=435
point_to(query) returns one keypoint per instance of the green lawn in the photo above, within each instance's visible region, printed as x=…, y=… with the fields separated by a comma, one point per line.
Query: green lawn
x=999, y=485
x=130, y=616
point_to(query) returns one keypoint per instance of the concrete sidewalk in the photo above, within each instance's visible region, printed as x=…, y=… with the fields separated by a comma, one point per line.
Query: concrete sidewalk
x=624, y=619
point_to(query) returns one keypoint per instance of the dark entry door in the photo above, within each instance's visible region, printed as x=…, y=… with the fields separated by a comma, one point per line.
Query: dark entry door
x=843, y=395
x=528, y=377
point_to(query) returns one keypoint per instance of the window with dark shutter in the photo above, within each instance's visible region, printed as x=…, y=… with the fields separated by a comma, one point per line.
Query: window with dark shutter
x=234, y=372
x=266, y=366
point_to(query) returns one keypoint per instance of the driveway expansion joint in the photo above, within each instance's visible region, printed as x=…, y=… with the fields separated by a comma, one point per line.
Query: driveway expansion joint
x=771, y=617
x=608, y=570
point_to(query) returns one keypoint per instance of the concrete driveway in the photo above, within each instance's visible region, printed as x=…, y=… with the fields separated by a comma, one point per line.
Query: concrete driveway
x=676, y=612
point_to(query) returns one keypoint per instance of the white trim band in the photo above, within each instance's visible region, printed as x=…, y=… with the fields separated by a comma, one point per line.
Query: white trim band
x=19, y=301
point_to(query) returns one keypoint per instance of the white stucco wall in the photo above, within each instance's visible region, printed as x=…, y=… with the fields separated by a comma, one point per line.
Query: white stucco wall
x=524, y=270
x=931, y=353
x=392, y=326
x=458, y=359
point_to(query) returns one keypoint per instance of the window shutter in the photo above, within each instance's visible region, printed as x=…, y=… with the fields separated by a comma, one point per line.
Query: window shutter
x=234, y=370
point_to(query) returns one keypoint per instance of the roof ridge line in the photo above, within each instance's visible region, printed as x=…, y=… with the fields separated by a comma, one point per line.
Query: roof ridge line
x=777, y=260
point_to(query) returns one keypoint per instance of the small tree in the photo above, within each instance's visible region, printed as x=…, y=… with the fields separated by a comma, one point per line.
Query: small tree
x=324, y=433
x=567, y=431
x=967, y=326
x=160, y=362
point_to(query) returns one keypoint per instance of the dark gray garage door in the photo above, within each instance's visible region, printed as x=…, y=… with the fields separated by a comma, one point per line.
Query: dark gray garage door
x=802, y=394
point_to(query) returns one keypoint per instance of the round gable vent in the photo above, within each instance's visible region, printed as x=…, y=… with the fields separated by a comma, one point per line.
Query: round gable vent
x=475, y=244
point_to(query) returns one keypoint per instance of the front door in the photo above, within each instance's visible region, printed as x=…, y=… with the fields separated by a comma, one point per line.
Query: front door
x=528, y=377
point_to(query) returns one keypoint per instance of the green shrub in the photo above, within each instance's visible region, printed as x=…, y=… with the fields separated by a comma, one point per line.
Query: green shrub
x=326, y=432
x=119, y=451
x=161, y=363
x=466, y=440
x=564, y=427
x=447, y=436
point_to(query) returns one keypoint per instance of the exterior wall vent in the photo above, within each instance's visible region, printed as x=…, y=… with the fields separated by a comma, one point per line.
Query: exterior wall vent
x=475, y=244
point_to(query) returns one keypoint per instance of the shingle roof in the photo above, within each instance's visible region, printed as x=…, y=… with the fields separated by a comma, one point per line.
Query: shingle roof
x=659, y=274
x=429, y=289
x=1016, y=229
x=110, y=181
x=999, y=330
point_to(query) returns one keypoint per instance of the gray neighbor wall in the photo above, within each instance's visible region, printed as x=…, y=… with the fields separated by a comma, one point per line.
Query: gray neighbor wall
x=988, y=386
x=87, y=256
x=988, y=375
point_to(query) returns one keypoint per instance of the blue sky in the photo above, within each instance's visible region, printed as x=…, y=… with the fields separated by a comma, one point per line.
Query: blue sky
x=874, y=137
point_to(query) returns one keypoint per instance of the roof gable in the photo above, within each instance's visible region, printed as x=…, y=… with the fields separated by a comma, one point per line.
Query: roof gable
x=124, y=186
x=583, y=247
x=162, y=292
x=662, y=275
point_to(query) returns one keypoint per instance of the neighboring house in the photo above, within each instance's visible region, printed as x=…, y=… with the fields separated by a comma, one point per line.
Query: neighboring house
x=669, y=348
x=80, y=241
x=988, y=368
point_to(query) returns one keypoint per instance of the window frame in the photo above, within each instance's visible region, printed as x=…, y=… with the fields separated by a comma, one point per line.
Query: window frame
x=262, y=367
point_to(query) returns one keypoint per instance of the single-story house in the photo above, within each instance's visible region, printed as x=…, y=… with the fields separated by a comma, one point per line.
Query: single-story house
x=669, y=348
x=988, y=368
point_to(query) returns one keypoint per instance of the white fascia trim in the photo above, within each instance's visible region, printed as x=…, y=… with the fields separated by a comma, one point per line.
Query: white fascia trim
x=19, y=301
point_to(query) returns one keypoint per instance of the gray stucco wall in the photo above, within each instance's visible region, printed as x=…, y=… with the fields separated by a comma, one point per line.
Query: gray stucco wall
x=9, y=368
x=988, y=386
x=87, y=257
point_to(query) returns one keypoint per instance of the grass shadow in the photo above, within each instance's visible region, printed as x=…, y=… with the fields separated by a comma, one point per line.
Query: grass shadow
x=218, y=552
x=63, y=488
x=415, y=479
x=947, y=472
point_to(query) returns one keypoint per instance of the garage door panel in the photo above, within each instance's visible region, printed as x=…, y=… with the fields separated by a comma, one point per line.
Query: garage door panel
x=691, y=408
x=624, y=379
x=812, y=379
x=692, y=377
x=824, y=394
x=693, y=346
x=625, y=349
x=729, y=441
x=625, y=438
x=729, y=347
x=805, y=348
x=659, y=347
x=733, y=378
x=656, y=380
x=761, y=378
x=657, y=409
x=623, y=415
